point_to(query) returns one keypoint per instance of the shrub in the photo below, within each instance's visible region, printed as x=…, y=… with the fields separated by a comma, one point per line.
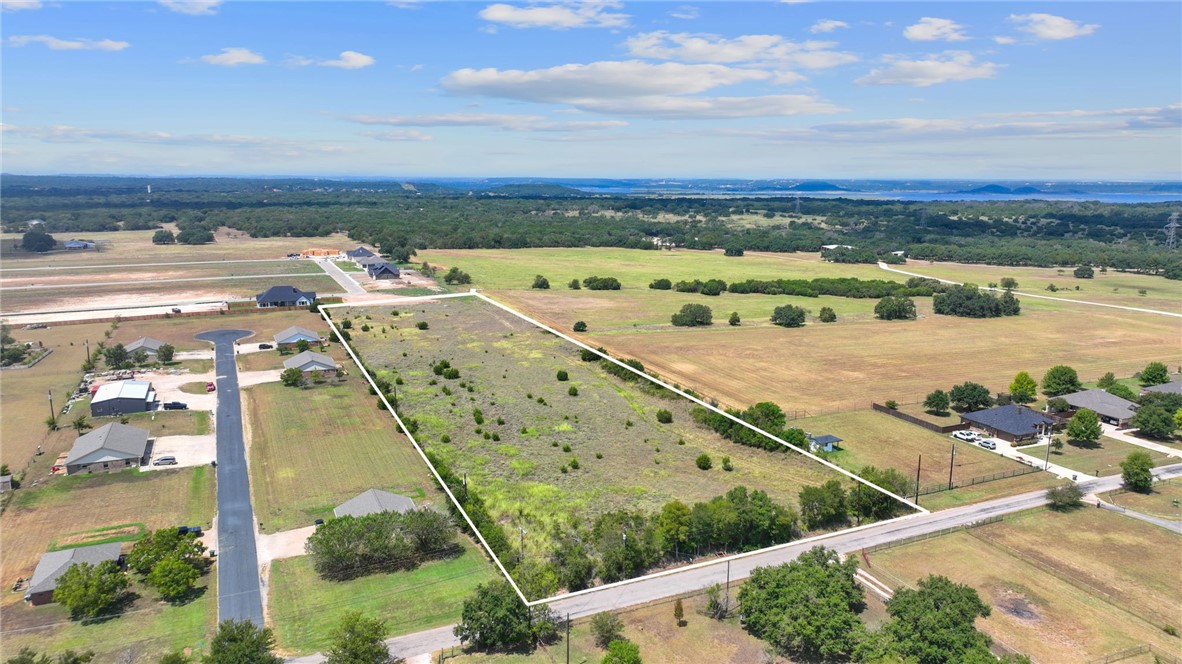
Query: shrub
x=541, y=282
x=892, y=404
x=664, y=416
x=574, y=463
x=573, y=391
x=895, y=308
x=789, y=316
x=726, y=464
x=566, y=447
x=579, y=326
x=661, y=284
x=562, y=377
x=827, y=315
x=574, y=284
x=693, y=315
x=422, y=325
x=704, y=462
x=734, y=320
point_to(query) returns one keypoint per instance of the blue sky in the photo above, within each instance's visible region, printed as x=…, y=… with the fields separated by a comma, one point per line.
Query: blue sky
x=1051, y=90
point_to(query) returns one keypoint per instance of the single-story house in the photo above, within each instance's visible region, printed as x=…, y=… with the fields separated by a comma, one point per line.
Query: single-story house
x=374, y=501
x=369, y=260
x=123, y=396
x=55, y=563
x=109, y=448
x=1174, y=387
x=75, y=245
x=309, y=361
x=382, y=271
x=293, y=335
x=824, y=443
x=1012, y=422
x=1111, y=408
x=146, y=344
x=284, y=296
x=359, y=252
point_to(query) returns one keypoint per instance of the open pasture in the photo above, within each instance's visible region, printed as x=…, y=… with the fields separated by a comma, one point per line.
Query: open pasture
x=1102, y=458
x=1164, y=502
x=312, y=449
x=520, y=450
x=81, y=276
x=1110, y=287
x=846, y=365
x=1049, y=600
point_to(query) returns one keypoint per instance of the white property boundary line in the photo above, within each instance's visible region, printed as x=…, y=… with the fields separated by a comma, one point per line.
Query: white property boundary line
x=473, y=293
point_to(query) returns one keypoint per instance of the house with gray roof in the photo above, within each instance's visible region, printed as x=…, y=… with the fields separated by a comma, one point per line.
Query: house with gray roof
x=108, y=449
x=374, y=501
x=309, y=361
x=123, y=396
x=1174, y=387
x=1012, y=422
x=146, y=344
x=1111, y=408
x=382, y=270
x=284, y=296
x=291, y=336
x=370, y=260
x=55, y=563
x=359, y=252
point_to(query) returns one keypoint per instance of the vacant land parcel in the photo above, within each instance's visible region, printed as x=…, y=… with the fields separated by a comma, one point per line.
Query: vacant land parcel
x=546, y=439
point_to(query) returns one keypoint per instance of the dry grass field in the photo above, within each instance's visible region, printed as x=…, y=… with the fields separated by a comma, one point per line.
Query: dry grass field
x=1049, y=599
x=1110, y=287
x=82, y=276
x=312, y=449
x=1165, y=501
x=1101, y=459
x=519, y=457
x=125, y=247
x=846, y=365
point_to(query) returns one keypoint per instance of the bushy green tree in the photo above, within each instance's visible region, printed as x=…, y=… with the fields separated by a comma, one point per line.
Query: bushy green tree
x=806, y=608
x=88, y=590
x=165, y=352
x=1121, y=390
x=541, y=283
x=1084, y=272
x=894, y=307
x=704, y=462
x=1106, y=381
x=574, y=285
x=970, y=396
x=1065, y=497
x=580, y=326
x=1024, y=389
x=693, y=315
x=1155, y=373
x=37, y=241
x=1137, y=472
x=359, y=640
x=163, y=236
x=163, y=543
x=495, y=618
x=1084, y=427
x=242, y=642
x=661, y=284
x=292, y=377
x=934, y=623
x=937, y=402
x=621, y=651
x=869, y=503
x=1154, y=421
x=734, y=320
x=1060, y=379
x=29, y=656
x=606, y=627
x=823, y=505
x=827, y=315
x=789, y=316
x=173, y=578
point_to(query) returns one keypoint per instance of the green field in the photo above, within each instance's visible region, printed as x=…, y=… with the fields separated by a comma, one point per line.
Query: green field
x=304, y=608
x=165, y=422
x=312, y=449
x=508, y=371
x=1164, y=502
x=1050, y=599
x=1100, y=459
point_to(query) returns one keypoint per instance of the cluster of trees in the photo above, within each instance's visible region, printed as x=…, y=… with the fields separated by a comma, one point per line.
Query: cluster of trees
x=971, y=302
x=38, y=241
x=11, y=352
x=169, y=561
x=789, y=316
x=808, y=609
x=601, y=283
x=831, y=505
x=966, y=397
x=895, y=307
x=851, y=287
x=764, y=415
x=457, y=276
x=117, y=357
x=348, y=547
x=693, y=315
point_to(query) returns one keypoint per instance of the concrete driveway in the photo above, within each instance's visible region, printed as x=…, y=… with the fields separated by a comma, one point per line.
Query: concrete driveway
x=1037, y=459
x=248, y=378
x=1127, y=436
x=287, y=544
x=168, y=388
x=188, y=450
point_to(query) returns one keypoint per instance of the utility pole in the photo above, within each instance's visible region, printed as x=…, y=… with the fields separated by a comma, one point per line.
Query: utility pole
x=1047, y=461
x=465, y=487
x=951, y=465
x=918, y=464
x=727, y=602
x=568, y=638
x=88, y=350
x=521, y=556
x=52, y=412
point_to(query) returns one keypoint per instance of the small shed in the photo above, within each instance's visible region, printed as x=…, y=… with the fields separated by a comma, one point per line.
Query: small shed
x=123, y=396
x=55, y=563
x=108, y=449
x=374, y=501
x=309, y=361
x=824, y=443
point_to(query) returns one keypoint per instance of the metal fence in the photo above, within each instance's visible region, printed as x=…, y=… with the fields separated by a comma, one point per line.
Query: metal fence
x=981, y=479
x=1158, y=654
x=933, y=534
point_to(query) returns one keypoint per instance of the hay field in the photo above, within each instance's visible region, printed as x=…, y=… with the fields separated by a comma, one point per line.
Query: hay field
x=846, y=365
x=1050, y=599
x=532, y=428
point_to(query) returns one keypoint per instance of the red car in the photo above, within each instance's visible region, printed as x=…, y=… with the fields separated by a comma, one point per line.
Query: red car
x=210, y=387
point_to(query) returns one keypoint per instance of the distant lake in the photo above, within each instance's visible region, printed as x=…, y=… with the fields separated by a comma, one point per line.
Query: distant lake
x=889, y=195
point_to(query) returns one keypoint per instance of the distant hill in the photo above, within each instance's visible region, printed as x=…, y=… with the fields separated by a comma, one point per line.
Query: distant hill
x=544, y=190
x=816, y=186
x=999, y=189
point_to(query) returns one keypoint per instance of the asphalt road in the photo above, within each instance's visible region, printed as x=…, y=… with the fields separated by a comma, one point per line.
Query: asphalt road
x=677, y=582
x=239, y=593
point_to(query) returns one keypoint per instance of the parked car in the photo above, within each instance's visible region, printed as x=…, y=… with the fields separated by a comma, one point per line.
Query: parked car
x=988, y=444
x=176, y=405
x=210, y=387
x=265, y=346
x=165, y=461
x=967, y=436
x=176, y=310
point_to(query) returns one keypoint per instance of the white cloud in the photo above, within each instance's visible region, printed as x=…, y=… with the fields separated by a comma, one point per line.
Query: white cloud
x=55, y=44
x=827, y=25
x=788, y=78
x=592, y=14
x=684, y=12
x=673, y=107
x=931, y=70
x=508, y=121
x=193, y=7
x=935, y=29
x=232, y=57
x=687, y=47
x=1049, y=26
x=405, y=4
x=1004, y=40
x=72, y=134
x=19, y=5
x=349, y=60
x=400, y=135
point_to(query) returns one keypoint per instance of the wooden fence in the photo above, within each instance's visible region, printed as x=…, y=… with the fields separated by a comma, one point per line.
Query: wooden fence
x=947, y=428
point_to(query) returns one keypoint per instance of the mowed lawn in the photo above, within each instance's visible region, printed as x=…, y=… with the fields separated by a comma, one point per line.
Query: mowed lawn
x=305, y=608
x=823, y=368
x=64, y=507
x=1110, y=287
x=533, y=428
x=1062, y=587
x=1164, y=502
x=1101, y=459
x=312, y=449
